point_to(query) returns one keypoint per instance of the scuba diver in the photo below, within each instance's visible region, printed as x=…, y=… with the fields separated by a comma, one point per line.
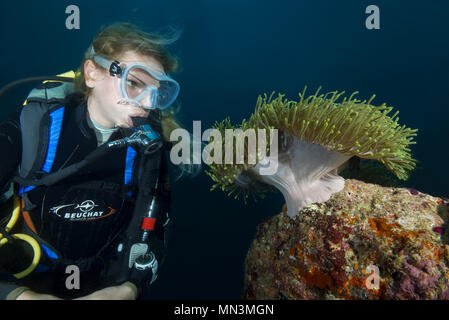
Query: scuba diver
x=85, y=182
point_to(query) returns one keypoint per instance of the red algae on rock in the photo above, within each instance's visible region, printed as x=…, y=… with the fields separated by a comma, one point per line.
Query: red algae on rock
x=326, y=251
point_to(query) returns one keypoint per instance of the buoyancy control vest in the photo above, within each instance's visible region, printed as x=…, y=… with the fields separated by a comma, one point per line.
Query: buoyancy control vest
x=57, y=215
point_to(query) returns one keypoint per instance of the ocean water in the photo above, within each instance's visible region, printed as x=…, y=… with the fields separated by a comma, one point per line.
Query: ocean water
x=233, y=51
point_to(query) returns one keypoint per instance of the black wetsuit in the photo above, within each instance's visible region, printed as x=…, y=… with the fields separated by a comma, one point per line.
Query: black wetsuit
x=83, y=216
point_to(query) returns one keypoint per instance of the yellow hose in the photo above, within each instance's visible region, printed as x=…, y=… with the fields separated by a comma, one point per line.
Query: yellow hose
x=30, y=240
x=37, y=254
x=12, y=221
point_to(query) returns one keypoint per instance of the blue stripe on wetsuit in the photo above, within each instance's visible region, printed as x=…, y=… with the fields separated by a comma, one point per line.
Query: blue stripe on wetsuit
x=54, y=133
x=130, y=157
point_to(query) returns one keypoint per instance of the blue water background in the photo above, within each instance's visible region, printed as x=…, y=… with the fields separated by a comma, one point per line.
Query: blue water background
x=232, y=51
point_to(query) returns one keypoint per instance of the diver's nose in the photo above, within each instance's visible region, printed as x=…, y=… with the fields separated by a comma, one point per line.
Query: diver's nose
x=148, y=100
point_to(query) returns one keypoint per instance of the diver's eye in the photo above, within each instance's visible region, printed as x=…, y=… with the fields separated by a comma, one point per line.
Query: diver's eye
x=135, y=83
x=134, y=87
x=131, y=84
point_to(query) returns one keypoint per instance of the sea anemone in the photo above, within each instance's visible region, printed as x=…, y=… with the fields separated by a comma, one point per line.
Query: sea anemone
x=317, y=135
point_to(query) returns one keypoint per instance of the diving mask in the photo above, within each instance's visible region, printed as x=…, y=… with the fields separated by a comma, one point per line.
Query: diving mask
x=149, y=88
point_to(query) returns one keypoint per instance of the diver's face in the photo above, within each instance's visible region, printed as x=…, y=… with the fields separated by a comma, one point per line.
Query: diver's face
x=105, y=105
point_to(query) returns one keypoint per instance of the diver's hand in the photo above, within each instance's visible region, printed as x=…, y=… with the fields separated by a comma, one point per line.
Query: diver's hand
x=121, y=292
x=31, y=295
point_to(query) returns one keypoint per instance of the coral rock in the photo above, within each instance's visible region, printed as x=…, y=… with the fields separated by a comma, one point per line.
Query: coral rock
x=365, y=242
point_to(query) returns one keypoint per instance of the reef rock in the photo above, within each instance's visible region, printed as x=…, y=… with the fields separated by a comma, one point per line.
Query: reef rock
x=365, y=242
